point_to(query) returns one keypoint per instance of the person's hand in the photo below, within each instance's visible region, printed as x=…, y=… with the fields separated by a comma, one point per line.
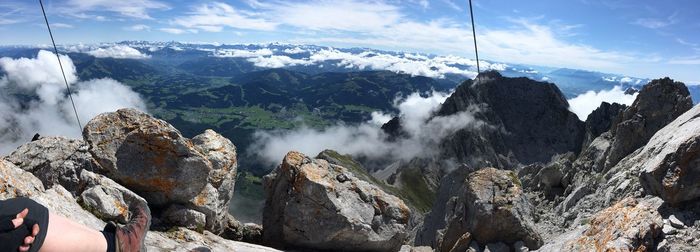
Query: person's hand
x=9, y=225
x=29, y=239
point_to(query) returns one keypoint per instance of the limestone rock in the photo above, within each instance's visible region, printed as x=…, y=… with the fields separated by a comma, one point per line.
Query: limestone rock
x=492, y=207
x=152, y=158
x=222, y=178
x=187, y=218
x=629, y=225
x=15, y=182
x=600, y=120
x=670, y=160
x=55, y=160
x=658, y=103
x=536, y=118
x=105, y=198
x=307, y=206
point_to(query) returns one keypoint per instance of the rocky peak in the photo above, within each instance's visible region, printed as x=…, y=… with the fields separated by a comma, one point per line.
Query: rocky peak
x=600, y=120
x=533, y=117
x=657, y=104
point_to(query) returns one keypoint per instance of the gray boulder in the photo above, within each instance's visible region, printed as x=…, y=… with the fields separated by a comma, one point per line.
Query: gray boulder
x=56, y=160
x=312, y=204
x=105, y=198
x=670, y=161
x=152, y=158
x=492, y=207
x=658, y=103
x=184, y=217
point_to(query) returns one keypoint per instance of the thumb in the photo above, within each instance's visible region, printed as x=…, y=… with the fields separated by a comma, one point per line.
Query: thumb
x=20, y=218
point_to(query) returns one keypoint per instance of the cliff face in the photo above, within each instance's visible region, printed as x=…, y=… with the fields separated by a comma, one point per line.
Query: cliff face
x=531, y=120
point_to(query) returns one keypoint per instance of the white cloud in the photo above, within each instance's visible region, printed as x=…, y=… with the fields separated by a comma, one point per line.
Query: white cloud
x=295, y=50
x=51, y=113
x=213, y=17
x=585, y=103
x=685, y=61
x=138, y=27
x=413, y=64
x=118, y=52
x=240, y=53
x=174, y=30
x=367, y=139
x=129, y=8
x=42, y=71
x=61, y=25
x=277, y=61
x=348, y=15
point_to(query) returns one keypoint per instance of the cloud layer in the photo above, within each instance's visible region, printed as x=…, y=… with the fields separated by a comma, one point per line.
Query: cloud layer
x=583, y=104
x=117, y=52
x=367, y=59
x=34, y=99
x=424, y=133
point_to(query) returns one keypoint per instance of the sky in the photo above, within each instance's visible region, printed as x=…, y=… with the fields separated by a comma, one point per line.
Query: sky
x=644, y=38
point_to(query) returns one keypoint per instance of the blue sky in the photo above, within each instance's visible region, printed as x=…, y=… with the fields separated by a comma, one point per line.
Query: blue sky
x=638, y=38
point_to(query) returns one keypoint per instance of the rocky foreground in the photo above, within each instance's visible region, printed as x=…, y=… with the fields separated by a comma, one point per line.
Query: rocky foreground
x=533, y=178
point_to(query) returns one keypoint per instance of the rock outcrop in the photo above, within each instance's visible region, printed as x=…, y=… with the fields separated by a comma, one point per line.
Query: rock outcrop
x=658, y=103
x=15, y=182
x=629, y=225
x=56, y=160
x=152, y=158
x=313, y=204
x=491, y=206
x=670, y=162
x=600, y=120
x=536, y=119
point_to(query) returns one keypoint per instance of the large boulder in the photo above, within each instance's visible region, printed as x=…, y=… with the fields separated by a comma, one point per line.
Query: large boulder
x=152, y=158
x=56, y=160
x=492, y=207
x=15, y=182
x=670, y=162
x=313, y=204
x=658, y=103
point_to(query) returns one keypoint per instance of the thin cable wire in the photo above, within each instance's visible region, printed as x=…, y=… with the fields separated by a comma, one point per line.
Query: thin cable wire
x=61, y=66
x=476, y=51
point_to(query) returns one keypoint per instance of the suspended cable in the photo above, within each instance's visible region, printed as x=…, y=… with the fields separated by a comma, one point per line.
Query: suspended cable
x=55, y=49
x=476, y=51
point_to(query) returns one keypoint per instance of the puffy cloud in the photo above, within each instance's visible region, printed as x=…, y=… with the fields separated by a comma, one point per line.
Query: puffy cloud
x=367, y=139
x=42, y=71
x=44, y=107
x=118, y=52
x=585, y=103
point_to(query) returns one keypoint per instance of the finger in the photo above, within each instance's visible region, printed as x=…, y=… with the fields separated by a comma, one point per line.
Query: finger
x=23, y=248
x=35, y=230
x=28, y=240
x=17, y=222
x=23, y=213
x=20, y=218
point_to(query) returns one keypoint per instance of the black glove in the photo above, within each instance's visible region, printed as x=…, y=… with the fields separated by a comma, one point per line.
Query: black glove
x=10, y=237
